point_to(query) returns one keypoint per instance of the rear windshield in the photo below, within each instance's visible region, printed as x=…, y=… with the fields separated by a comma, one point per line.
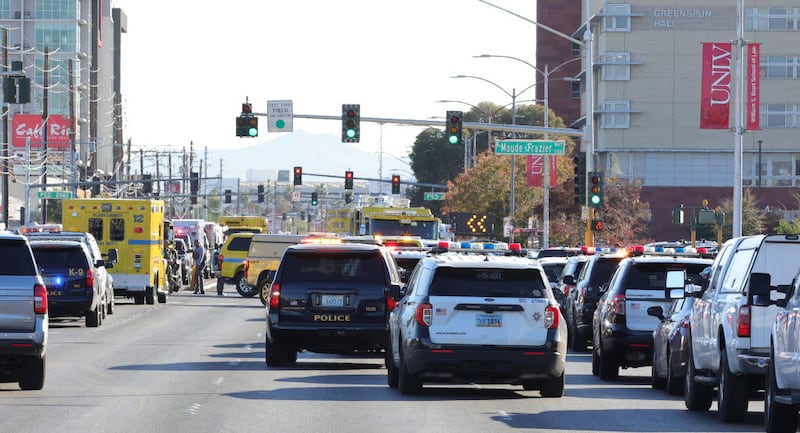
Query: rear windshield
x=499, y=283
x=654, y=275
x=16, y=258
x=239, y=244
x=553, y=271
x=49, y=258
x=602, y=271
x=330, y=267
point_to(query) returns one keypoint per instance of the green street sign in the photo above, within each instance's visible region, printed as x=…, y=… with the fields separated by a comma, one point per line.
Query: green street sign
x=433, y=196
x=54, y=195
x=529, y=147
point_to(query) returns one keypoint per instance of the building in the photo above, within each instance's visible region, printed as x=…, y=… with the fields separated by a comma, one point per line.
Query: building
x=647, y=105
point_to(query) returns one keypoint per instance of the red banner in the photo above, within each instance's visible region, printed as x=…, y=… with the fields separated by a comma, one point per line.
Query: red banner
x=716, y=91
x=753, y=86
x=534, y=169
x=26, y=126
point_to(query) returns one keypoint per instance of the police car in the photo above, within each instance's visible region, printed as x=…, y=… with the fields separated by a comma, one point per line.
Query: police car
x=477, y=315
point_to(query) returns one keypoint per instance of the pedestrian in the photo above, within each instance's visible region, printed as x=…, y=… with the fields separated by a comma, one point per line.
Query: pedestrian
x=199, y=256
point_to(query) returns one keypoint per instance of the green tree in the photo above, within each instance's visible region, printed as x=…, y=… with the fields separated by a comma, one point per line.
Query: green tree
x=433, y=161
x=752, y=217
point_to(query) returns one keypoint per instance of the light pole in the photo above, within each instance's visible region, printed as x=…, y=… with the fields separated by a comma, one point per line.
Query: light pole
x=513, y=95
x=546, y=172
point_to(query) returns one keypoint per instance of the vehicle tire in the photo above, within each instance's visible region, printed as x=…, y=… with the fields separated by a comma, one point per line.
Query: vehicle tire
x=407, y=383
x=149, y=295
x=609, y=370
x=697, y=396
x=778, y=417
x=733, y=393
x=243, y=288
x=138, y=298
x=277, y=354
x=655, y=381
x=162, y=297
x=553, y=388
x=110, y=306
x=263, y=289
x=595, y=362
x=32, y=373
x=674, y=384
x=392, y=375
x=94, y=318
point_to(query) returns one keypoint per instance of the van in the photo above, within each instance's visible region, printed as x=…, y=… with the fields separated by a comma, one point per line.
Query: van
x=263, y=257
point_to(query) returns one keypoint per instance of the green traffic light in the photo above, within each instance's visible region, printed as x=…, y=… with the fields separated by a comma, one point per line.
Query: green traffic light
x=252, y=132
x=453, y=139
x=351, y=133
x=595, y=199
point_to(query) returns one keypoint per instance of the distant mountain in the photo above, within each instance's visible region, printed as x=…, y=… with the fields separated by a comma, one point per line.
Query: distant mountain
x=316, y=153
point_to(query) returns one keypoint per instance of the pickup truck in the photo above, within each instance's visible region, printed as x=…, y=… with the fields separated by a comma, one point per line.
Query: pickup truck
x=263, y=257
x=730, y=333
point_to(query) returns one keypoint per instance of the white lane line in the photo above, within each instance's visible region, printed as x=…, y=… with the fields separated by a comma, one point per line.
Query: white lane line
x=192, y=409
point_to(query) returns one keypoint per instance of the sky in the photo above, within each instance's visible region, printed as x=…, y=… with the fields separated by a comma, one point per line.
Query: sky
x=186, y=68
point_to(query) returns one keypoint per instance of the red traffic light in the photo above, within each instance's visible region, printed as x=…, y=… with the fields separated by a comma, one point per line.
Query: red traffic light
x=348, y=174
x=597, y=225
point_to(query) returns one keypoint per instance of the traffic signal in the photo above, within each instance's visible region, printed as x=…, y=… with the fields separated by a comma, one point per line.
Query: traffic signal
x=314, y=200
x=395, y=184
x=348, y=180
x=579, y=163
x=227, y=196
x=298, y=175
x=147, y=183
x=596, y=189
x=597, y=225
x=194, y=186
x=348, y=197
x=351, y=119
x=10, y=93
x=454, y=124
x=260, y=189
x=247, y=123
x=252, y=126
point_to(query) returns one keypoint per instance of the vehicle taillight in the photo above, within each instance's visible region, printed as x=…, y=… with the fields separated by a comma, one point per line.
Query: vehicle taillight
x=39, y=299
x=246, y=266
x=89, y=278
x=743, y=327
x=274, y=295
x=390, y=303
x=566, y=290
x=618, y=305
x=424, y=314
x=220, y=258
x=551, y=315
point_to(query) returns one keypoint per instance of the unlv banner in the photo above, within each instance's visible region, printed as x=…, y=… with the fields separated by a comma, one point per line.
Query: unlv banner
x=753, y=86
x=534, y=168
x=26, y=126
x=715, y=93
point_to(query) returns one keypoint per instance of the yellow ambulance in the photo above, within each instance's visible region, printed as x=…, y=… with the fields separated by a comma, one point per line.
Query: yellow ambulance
x=135, y=227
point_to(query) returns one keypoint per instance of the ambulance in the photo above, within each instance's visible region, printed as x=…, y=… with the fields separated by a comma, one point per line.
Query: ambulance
x=135, y=227
x=249, y=223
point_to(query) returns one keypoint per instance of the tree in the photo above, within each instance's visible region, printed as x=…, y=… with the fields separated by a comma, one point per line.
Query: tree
x=433, y=161
x=752, y=216
x=624, y=214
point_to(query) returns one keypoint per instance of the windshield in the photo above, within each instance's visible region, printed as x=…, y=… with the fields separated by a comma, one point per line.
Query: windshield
x=500, y=283
x=423, y=229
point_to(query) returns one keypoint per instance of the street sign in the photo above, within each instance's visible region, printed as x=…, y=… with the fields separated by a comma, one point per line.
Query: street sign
x=433, y=196
x=54, y=195
x=529, y=147
x=296, y=196
x=279, y=116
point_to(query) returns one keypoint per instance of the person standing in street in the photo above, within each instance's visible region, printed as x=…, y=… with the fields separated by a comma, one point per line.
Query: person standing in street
x=199, y=255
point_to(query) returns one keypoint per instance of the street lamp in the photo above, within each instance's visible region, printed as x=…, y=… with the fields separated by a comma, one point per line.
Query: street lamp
x=513, y=95
x=546, y=173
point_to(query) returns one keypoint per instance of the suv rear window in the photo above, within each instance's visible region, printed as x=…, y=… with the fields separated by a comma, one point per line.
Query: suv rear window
x=499, y=283
x=16, y=258
x=240, y=244
x=602, y=271
x=351, y=267
x=59, y=258
x=653, y=275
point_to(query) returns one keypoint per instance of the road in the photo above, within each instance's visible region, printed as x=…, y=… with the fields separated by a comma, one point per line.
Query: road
x=196, y=364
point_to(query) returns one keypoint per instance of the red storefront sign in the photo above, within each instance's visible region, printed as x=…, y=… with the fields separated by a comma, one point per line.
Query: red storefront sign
x=716, y=91
x=25, y=126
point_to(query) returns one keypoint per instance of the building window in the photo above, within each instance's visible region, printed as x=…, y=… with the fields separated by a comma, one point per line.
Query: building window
x=575, y=91
x=780, y=67
x=772, y=19
x=617, y=18
x=576, y=50
x=615, y=114
x=616, y=66
x=780, y=115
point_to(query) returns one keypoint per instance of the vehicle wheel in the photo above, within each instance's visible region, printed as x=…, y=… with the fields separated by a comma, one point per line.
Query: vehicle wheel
x=162, y=298
x=407, y=383
x=242, y=287
x=392, y=375
x=263, y=289
x=93, y=318
x=110, y=306
x=778, y=417
x=655, y=381
x=277, y=354
x=595, y=362
x=32, y=374
x=553, y=388
x=732, y=392
x=609, y=370
x=578, y=343
x=674, y=384
x=697, y=396
x=149, y=295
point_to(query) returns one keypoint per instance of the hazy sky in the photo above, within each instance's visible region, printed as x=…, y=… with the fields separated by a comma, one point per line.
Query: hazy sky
x=187, y=66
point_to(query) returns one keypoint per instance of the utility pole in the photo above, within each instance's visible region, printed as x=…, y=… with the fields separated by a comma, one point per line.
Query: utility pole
x=6, y=142
x=45, y=127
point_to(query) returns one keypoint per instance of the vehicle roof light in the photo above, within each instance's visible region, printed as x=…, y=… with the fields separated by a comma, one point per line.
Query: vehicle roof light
x=514, y=246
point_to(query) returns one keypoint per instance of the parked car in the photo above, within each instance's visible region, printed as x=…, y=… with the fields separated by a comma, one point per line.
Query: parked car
x=477, y=318
x=69, y=275
x=23, y=315
x=330, y=298
x=622, y=334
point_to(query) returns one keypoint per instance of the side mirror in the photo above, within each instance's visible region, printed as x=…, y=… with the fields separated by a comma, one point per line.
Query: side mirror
x=569, y=279
x=656, y=311
x=676, y=279
x=113, y=257
x=393, y=291
x=677, y=293
x=759, y=289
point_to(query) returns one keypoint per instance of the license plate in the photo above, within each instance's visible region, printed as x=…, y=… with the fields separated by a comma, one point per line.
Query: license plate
x=489, y=321
x=331, y=301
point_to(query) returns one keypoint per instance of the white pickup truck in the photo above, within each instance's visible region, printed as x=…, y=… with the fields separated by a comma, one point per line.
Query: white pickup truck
x=730, y=334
